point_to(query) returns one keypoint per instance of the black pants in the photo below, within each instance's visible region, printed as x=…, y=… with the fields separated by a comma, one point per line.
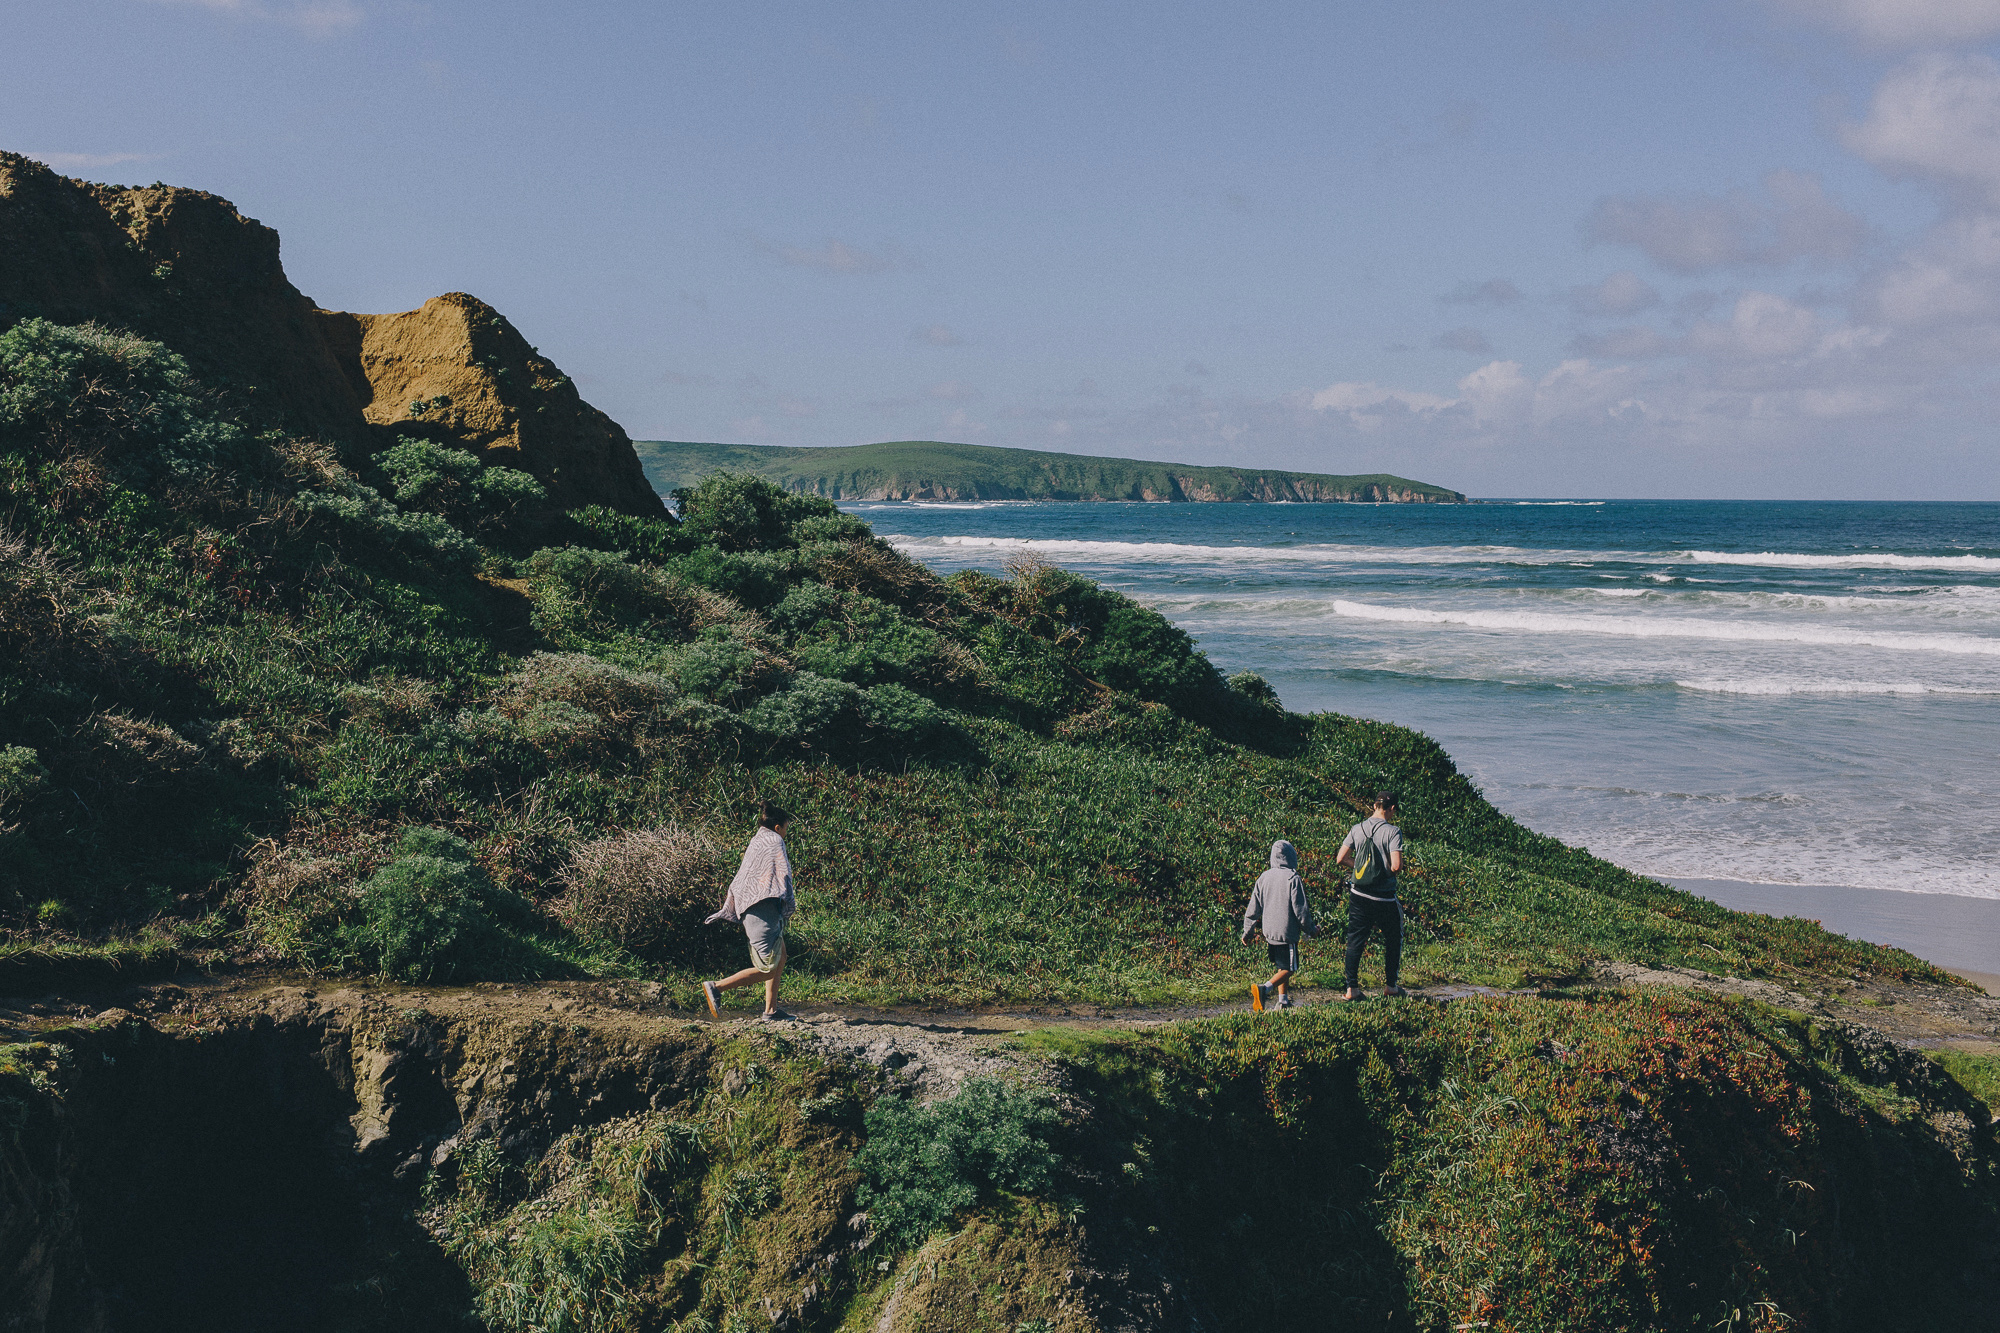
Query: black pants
x=1364, y=916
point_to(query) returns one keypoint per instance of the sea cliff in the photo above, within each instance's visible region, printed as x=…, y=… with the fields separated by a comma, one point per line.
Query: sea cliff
x=933, y=470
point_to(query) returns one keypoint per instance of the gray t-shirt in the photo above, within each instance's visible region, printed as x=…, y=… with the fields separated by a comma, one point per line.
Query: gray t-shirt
x=1387, y=838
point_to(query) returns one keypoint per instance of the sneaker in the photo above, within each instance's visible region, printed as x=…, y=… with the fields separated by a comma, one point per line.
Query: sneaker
x=774, y=1016
x=709, y=993
x=1257, y=997
x=1285, y=1002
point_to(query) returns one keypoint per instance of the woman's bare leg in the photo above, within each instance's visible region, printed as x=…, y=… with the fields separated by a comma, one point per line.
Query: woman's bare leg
x=750, y=974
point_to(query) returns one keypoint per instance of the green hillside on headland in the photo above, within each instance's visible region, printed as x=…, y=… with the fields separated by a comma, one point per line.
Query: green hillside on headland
x=932, y=470
x=438, y=764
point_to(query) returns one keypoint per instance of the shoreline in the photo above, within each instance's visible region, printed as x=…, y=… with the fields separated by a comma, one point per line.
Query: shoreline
x=1957, y=933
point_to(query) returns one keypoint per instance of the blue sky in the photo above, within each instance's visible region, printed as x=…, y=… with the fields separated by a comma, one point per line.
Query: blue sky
x=1746, y=249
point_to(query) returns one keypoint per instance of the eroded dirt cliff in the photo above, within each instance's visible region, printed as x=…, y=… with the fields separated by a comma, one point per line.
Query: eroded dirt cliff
x=186, y=268
x=457, y=371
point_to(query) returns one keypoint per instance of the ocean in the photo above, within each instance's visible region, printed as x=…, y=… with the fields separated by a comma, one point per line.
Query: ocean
x=1756, y=693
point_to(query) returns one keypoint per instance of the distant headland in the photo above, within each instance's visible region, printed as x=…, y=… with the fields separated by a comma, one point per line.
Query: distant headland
x=934, y=470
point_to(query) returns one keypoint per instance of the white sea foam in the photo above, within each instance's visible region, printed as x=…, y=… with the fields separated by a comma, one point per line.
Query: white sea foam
x=1789, y=685
x=1676, y=627
x=1339, y=553
x=1958, y=603
x=1868, y=560
x=1319, y=553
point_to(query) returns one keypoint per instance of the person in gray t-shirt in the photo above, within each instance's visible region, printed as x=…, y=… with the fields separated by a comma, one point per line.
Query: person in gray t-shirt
x=1374, y=848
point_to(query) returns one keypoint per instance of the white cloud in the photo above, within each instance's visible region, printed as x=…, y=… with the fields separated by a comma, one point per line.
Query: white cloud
x=1497, y=395
x=1952, y=276
x=315, y=18
x=88, y=161
x=1695, y=233
x=1623, y=293
x=1373, y=399
x=1763, y=326
x=1497, y=391
x=1902, y=23
x=1936, y=117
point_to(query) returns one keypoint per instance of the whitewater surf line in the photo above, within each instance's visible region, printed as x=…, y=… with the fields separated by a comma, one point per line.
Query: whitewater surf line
x=1083, y=549
x=1885, y=560
x=1638, y=627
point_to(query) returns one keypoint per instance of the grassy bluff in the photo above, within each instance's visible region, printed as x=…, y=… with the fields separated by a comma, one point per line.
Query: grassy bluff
x=372, y=742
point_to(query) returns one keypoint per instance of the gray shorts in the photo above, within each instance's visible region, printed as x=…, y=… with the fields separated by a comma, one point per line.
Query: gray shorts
x=1284, y=956
x=764, y=923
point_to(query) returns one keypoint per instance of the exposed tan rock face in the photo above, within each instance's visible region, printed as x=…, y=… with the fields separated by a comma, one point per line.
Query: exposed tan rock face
x=185, y=268
x=179, y=266
x=456, y=370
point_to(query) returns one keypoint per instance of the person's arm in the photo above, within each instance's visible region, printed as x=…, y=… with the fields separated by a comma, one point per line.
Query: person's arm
x=1346, y=850
x=1253, y=914
x=1396, y=852
x=1302, y=907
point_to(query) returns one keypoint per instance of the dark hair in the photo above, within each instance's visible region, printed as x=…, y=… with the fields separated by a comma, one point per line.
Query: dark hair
x=1385, y=800
x=770, y=816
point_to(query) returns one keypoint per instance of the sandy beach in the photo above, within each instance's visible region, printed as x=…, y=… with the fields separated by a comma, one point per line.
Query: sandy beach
x=1958, y=933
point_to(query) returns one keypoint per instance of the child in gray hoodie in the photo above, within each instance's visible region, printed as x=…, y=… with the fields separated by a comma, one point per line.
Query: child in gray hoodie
x=1278, y=904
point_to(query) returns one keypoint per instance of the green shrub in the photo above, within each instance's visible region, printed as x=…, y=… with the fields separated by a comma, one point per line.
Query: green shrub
x=584, y=597
x=736, y=512
x=925, y=1164
x=1256, y=689
x=299, y=895
x=868, y=642
x=21, y=775
x=652, y=539
x=361, y=514
x=430, y=913
x=811, y=711
x=621, y=698
x=719, y=667
x=86, y=391
x=1140, y=650
x=803, y=608
x=754, y=578
x=455, y=485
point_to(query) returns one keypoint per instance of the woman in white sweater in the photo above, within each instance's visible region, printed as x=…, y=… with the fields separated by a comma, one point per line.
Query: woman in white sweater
x=761, y=899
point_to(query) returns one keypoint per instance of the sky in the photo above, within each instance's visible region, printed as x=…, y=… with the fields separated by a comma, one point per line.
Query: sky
x=1694, y=249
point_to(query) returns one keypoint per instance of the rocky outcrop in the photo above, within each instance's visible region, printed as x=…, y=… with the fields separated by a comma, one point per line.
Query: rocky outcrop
x=182, y=267
x=456, y=370
x=185, y=268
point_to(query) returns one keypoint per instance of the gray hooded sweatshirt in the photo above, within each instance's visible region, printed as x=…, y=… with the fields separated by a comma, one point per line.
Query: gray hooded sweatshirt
x=1278, y=902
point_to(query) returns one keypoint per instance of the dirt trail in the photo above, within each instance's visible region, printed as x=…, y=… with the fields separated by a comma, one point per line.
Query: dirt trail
x=931, y=1046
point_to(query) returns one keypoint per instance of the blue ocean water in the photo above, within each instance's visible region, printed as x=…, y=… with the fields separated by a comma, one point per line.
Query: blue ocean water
x=1775, y=692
